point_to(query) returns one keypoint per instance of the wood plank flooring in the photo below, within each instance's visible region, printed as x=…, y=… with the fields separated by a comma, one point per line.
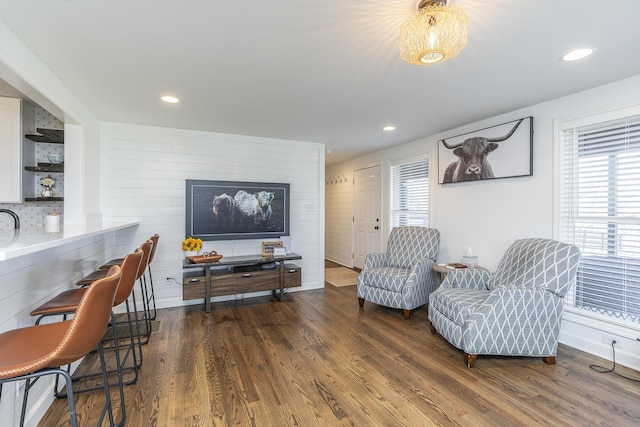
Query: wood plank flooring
x=317, y=359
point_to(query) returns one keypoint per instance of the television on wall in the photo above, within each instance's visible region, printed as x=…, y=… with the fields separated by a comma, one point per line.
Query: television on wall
x=230, y=210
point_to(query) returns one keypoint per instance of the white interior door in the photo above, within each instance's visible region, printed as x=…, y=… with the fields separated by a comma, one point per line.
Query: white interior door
x=367, y=213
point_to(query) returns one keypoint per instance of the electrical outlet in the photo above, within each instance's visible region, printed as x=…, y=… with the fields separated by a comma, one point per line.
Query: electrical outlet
x=610, y=339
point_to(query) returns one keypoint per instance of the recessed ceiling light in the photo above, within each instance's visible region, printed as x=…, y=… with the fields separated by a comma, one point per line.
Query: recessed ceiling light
x=170, y=99
x=389, y=128
x=577, y=54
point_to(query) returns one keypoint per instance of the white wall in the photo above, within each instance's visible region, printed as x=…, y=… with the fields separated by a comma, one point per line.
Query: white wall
x=20, y=68
x=489, y=215
x=143, y=179
x=338, y=213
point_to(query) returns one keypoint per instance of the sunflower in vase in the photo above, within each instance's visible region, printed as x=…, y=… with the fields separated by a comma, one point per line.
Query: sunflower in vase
x=191, y=246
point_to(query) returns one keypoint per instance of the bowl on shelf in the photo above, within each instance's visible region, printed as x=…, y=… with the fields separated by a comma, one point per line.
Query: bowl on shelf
x=56, y=158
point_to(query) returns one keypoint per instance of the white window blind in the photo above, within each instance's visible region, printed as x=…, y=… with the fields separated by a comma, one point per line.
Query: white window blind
x=409, y=193
x=600, y=209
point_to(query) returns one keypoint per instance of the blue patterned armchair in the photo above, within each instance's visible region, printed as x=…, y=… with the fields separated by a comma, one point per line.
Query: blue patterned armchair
x=403, y=277
x=514, y=312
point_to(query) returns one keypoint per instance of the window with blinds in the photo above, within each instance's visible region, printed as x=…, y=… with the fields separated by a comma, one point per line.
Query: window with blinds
x=600, y=213
x=409, y=193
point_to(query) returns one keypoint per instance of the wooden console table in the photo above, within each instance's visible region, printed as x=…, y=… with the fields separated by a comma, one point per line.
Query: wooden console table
x=238, y=275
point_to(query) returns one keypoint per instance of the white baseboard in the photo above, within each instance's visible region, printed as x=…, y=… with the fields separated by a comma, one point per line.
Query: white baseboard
x=586, y=334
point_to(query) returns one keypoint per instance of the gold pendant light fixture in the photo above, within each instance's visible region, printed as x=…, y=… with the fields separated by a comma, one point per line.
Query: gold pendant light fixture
x=436, y=32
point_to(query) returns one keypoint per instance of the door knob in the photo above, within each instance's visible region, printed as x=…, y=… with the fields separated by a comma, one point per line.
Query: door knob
x=376, y=227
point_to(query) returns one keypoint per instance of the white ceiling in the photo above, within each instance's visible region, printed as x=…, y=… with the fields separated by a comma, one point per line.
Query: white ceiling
x=324, y=71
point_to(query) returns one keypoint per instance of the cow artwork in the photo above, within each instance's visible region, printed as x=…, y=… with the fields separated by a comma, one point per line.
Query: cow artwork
x=230, y=210
x=253, y=209
x=472, y=163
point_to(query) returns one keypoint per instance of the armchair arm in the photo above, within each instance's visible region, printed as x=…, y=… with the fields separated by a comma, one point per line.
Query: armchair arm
x=466, y=278
x=421, y=281
x=422, y=272
x=514, y=321
x=375, y=260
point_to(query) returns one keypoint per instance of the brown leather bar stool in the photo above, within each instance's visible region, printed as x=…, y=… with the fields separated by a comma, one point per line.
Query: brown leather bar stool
x=146, y=247
x=155, y=238
x=67, y=303
x=151, y=298
x=35, y=351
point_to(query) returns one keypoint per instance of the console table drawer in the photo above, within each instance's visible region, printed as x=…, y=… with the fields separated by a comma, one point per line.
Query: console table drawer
x=245, y=282
x=292, y=276
x=193, y=287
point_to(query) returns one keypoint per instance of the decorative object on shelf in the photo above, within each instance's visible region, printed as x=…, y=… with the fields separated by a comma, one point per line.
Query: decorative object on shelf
x=212, y=256
x=56, y=159
x=435, y=33
x=469, y=259
x=268, y=247
x=454, y=265
x=191, y=246
x=52, y=223
x=47, y=186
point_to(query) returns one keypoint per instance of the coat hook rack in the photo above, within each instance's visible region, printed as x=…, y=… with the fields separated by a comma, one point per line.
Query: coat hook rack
x=336, y=179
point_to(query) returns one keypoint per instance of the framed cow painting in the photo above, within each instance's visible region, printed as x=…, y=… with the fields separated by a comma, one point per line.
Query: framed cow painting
x=230, y=210
x=500, y=151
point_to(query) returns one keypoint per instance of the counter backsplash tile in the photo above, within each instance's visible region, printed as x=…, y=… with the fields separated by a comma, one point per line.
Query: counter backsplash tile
x=31, y=214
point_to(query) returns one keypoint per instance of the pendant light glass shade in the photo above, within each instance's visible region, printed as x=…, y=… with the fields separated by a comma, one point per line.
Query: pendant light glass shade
x=436, y=32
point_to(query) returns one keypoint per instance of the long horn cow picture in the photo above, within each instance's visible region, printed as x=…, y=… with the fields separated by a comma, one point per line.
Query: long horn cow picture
x=496, y=152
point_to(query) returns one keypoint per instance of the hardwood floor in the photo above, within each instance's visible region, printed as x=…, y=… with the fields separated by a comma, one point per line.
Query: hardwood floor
x=316, y=359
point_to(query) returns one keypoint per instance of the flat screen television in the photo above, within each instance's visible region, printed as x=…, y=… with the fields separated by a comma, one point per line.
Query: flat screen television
x=230, y=210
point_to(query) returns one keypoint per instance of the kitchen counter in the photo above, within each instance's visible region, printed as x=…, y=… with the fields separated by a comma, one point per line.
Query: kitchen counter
x=30, y=241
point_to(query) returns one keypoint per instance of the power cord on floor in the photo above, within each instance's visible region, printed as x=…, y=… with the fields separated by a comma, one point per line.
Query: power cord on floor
x=603, y=370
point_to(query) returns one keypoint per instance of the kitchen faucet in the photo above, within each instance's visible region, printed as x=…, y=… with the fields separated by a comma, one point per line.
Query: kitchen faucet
x=16, y=220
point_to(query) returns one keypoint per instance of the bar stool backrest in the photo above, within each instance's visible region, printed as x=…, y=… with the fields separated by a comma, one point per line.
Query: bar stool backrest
x=89, y=322
x=147, y=248
x=130, y=269
x=154, y=239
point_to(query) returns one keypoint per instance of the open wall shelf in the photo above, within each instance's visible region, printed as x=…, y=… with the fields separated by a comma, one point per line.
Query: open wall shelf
x=46, y=167
x=54, y=136
x=44, y=199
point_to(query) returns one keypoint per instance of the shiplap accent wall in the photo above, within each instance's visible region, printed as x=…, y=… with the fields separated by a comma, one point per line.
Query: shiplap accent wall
x=143, y=179
x=28, y=281
x=338, y=218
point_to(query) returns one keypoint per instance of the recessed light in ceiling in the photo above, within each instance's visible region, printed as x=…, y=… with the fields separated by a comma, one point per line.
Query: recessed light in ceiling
x=577, y=54
x=170, y=99
x=389, y=128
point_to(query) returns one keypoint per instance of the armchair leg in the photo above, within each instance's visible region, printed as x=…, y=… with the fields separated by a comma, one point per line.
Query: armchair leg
x=470, y=359
x=406, y=313
x=549, y=360
x=361, y=302
x=433, y=330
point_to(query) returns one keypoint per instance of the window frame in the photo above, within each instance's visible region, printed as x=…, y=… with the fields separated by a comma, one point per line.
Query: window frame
x=393, y=213
x=575, y=314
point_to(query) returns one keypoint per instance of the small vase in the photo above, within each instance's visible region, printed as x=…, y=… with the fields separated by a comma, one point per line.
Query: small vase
x=190, y=253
